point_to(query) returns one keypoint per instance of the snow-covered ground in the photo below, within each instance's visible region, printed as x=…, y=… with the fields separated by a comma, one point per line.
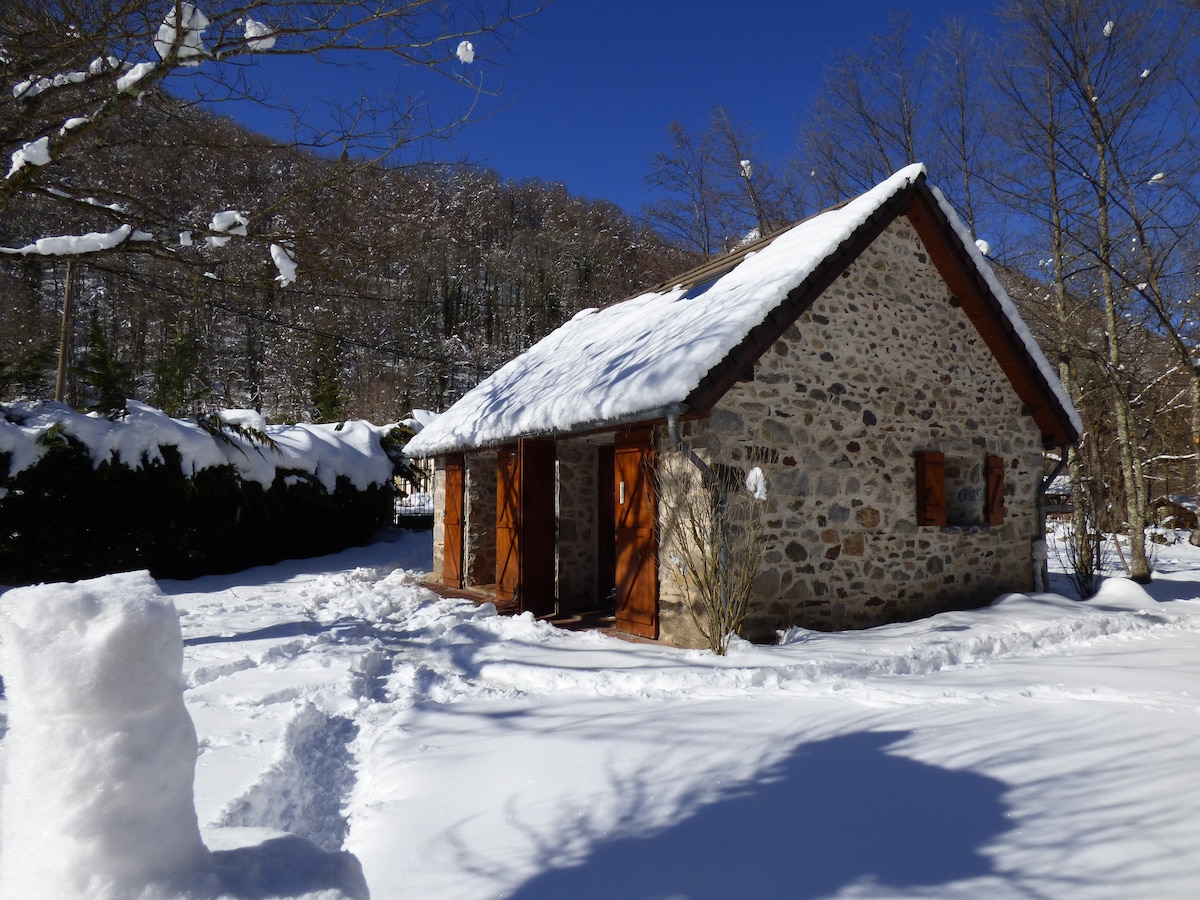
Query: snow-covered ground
x=1040, y=747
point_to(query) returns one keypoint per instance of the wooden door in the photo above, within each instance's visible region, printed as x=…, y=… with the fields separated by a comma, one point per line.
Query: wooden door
x=636, y=573
x=452, y=525
x=525, y=527
x=507, y=506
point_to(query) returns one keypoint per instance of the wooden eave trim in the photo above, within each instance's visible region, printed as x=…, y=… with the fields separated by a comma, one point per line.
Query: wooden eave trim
x=739, y=362
x=589, y=431
x=983, y=308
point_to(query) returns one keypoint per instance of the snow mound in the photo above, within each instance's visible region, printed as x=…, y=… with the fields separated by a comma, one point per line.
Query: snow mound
x=98, y=801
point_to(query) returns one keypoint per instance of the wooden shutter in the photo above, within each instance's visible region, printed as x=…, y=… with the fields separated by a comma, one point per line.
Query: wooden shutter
x=931, y=487
x=525, y=523
x=995, y=491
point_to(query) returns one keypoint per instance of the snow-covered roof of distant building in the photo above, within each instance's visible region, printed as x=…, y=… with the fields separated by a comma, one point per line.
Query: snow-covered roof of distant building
x=637, y=359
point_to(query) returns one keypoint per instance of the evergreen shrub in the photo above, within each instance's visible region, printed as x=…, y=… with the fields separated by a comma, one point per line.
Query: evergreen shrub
x=63, y=519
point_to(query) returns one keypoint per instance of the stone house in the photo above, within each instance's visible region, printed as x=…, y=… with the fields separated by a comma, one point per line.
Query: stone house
x=866, y=359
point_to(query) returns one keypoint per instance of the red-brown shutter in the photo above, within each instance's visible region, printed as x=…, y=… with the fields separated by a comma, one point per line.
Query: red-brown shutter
x=525, y=527
x=635, y=541
x=995, y=491
x=931, y=487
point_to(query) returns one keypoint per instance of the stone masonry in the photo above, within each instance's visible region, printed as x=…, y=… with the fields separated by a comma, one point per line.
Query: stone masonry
x=578, y=540
x=883, y=365
x=479, y=518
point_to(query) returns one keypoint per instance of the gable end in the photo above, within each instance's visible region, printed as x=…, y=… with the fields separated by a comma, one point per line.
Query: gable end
x=986, y=314
x=967, y=286
x=738, y=364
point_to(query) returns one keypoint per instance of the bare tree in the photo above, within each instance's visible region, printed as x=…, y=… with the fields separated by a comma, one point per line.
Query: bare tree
x=871, y=116
x=69, y=70
x=1097, y=100
x=716, y=190
x=959, y=119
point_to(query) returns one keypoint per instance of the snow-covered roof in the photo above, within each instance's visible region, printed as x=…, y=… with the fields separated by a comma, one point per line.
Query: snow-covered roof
x=635, y=360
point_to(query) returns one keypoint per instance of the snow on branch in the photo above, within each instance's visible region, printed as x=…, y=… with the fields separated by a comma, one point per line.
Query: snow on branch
x=285, y=262
x=73, y=245
x=229, y=222
x=32, y=153
x=183, y=36
x=258, y=35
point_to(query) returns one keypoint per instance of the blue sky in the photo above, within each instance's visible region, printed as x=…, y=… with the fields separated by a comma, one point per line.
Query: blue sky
x=591, y=85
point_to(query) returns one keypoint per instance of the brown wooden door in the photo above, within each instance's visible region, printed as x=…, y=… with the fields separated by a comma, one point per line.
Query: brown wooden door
x=525, y=527
x=507, y=512
x=452, y=525
x=636, y=557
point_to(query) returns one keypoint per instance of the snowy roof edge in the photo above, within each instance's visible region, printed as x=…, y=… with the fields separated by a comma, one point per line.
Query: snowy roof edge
x=1032, y=347
x=478, y=420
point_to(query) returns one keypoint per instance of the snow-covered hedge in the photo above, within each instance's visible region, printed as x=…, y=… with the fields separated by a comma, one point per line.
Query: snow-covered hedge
x=82, y=495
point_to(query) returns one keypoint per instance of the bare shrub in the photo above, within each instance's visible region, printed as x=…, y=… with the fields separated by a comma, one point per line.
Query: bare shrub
x=712, y=527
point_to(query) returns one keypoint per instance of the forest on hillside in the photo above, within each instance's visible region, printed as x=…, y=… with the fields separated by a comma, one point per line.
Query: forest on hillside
x=1066, y=133
x=174, y=235
x=417, y=281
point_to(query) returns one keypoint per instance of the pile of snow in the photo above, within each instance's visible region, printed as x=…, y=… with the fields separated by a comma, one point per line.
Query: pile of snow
x=100, y=760
x=418, y=419
x=350, y=449
x=101, y=750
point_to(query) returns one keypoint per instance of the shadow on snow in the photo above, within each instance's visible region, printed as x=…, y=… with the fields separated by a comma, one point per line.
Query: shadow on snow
x=834, y=813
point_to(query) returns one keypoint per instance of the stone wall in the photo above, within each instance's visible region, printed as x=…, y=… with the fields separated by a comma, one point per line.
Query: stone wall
x=479, y=518
x=577, y=525
x=881, y=366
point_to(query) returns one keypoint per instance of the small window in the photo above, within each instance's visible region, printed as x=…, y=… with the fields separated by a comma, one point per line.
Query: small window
x=959, y=491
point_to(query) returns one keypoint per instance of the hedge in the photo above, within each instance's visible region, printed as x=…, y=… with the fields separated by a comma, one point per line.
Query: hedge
x=65, y=518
